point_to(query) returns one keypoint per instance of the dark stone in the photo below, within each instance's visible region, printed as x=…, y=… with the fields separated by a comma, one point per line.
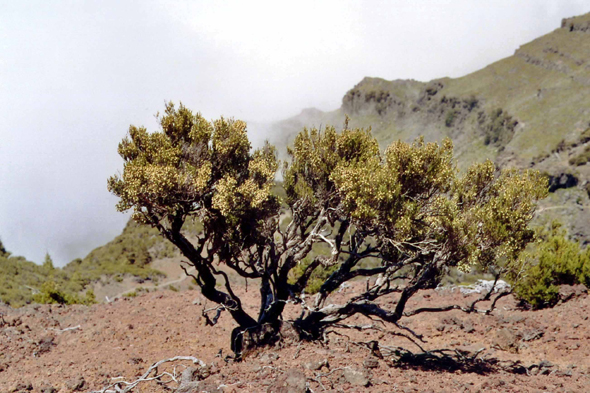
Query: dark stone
x=135, y=361
x=467, y=327
x=22, y=387
x=562, y=180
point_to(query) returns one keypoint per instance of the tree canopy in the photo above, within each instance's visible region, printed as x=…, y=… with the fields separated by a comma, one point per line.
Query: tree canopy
x=402, y=217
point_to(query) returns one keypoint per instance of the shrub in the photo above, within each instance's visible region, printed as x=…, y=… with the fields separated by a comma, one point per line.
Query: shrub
x=450, y=119
x=402, y=217
x=317, y=278
x=582, y=158
x=500, y=128
x=556, y=261
x=50, y=293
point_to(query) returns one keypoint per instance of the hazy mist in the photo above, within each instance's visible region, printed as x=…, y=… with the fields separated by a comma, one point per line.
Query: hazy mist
x=75, y=75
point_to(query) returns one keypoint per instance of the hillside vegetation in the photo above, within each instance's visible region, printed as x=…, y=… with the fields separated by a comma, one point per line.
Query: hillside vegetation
x=530, y=110
x=129, y=254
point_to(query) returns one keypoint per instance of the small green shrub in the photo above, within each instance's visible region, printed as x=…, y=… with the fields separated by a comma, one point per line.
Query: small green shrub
x=318, y=277
x=499, y=130
x=51, y=293
x=471, y=102
x=131, y=294
x=450, y=119
x=558, y=261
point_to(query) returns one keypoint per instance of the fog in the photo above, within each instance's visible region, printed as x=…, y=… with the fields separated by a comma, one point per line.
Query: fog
x=75, y=75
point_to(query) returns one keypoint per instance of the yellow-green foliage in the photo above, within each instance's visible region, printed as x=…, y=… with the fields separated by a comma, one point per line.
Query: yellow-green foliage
x=316, y=155
x=413, y=194
x=555, y=260
x=193, y=168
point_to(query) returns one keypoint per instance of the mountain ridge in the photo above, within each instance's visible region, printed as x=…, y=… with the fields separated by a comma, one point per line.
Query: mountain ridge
x=528, y=110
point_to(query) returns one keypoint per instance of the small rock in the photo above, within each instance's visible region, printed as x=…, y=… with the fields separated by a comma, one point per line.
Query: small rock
x=371, y=362
x=76, y=384
x=314, y=366
x=48, y=389
x=198, y=387
x=506, y=340
x=470, y=350
x=356, y=378
x=190, y=381
x=22, y=387
x=135, y=360
x=45, y=344
x=545, y=364
x=269, y=357
x=467, y=327
x=292, y=381
x=568, y=292
x=197, y=302
x=532, y=335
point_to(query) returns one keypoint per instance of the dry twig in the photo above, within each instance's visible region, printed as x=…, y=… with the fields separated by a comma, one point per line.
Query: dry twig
x=116, y=387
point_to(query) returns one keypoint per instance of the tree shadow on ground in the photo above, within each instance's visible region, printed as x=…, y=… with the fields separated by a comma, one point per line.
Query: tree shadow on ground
x=452, y=360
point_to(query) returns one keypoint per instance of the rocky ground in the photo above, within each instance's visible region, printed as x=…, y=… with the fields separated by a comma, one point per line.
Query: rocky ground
x=53, y=348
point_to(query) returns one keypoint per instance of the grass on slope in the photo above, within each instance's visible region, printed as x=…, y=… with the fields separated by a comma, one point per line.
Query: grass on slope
x=130, y=253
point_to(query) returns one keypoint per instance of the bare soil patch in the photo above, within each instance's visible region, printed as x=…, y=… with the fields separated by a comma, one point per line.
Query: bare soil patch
x=52, y=348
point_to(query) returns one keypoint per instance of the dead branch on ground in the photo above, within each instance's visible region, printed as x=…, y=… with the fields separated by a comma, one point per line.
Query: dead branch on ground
x=117, y=387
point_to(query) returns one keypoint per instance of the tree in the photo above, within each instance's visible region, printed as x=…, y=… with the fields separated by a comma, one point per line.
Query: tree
x=48, y=263
x=404, y=216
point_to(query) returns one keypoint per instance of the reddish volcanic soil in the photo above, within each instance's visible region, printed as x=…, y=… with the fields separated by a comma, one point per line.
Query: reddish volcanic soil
x=52, y=348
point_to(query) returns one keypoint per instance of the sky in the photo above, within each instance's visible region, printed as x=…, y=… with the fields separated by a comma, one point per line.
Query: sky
x=75, y=74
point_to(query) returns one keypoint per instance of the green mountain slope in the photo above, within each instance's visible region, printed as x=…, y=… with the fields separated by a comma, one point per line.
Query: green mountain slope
x=131, y=254
x=531, y=109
